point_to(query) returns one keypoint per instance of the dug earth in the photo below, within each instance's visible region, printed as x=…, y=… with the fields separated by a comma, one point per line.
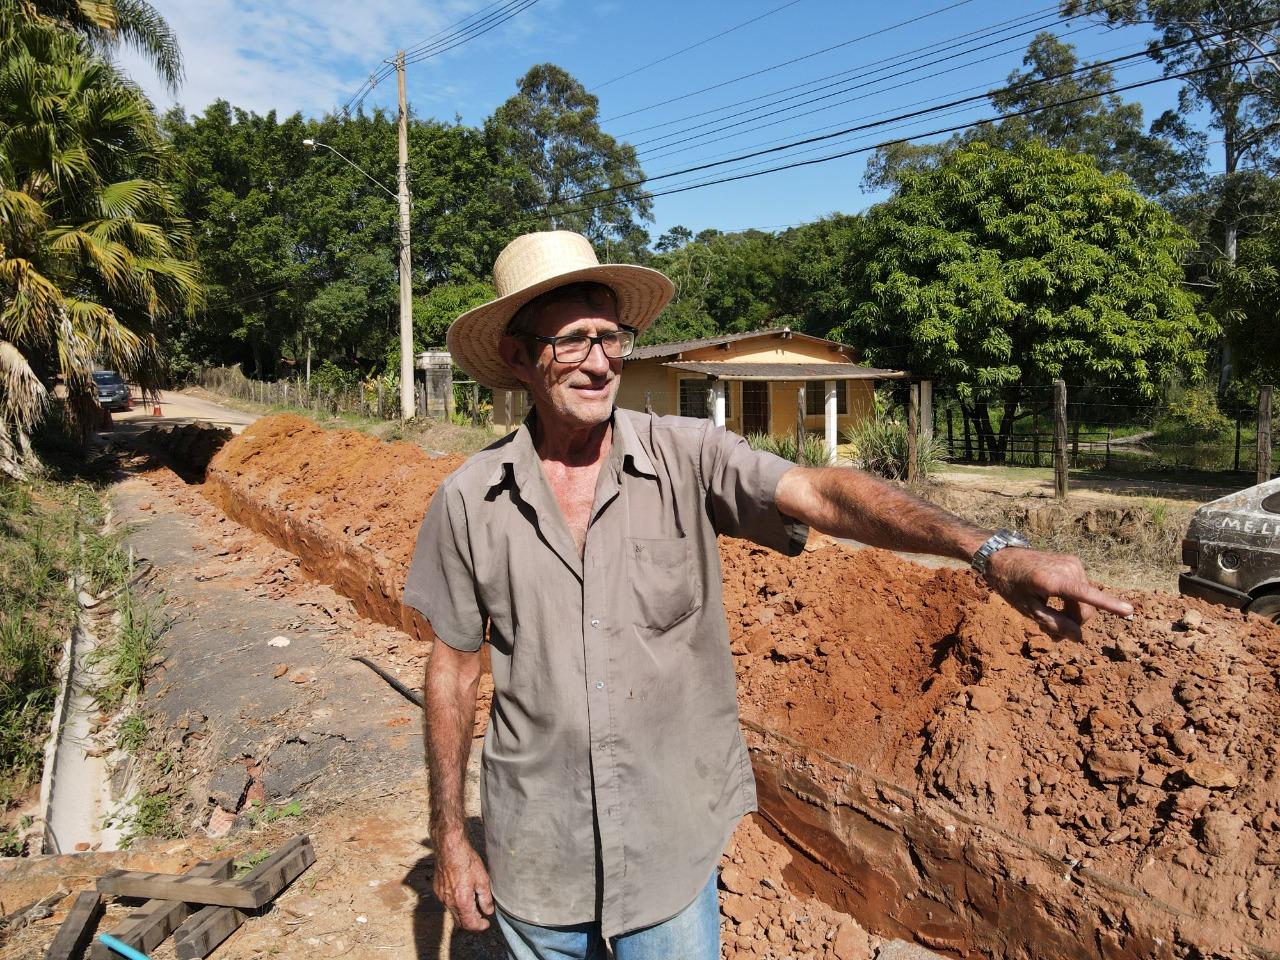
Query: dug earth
x=1023, y=797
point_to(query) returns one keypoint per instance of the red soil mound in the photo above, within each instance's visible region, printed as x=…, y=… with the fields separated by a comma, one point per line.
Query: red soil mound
x=1147, y=754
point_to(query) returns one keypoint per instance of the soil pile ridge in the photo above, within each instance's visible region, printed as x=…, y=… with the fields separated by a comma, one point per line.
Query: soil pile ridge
x=1149, y=753
x=347, y=505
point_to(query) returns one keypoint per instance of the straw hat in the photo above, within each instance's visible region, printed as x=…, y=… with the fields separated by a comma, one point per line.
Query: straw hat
x=531, y=265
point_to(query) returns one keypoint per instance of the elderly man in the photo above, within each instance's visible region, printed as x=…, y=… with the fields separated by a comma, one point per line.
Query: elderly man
x=583, y=548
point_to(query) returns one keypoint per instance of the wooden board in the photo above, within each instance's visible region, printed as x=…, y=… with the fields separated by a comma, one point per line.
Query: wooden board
x=76, y=930
x=148, y=926
x=206, y=928
x=168, y=886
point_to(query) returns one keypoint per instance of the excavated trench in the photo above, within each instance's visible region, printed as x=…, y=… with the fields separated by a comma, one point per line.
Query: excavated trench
x=941, y=770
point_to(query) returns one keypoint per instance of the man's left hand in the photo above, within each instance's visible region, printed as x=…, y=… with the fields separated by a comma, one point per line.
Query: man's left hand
x=1028, y=579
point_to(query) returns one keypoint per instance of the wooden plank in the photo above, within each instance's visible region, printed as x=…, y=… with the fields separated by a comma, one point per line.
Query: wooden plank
x=149, y=925
x=168, y=886
x=913, y=433
x=205, y=929
x=76, y=930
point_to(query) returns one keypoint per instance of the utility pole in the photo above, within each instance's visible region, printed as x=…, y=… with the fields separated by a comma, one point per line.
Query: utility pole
x=406, y=272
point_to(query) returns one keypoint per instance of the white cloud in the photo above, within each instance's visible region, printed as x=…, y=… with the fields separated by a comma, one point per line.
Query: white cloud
x=308, y=55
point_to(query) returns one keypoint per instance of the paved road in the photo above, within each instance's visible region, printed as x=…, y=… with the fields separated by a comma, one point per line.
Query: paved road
x=178, y=407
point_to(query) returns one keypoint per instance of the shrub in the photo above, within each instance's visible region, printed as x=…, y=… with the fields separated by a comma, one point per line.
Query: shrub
x=1193, y=412
x=814, y=453
x=880, y=447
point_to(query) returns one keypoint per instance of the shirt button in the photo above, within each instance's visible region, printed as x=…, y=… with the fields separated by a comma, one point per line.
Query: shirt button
x=595, y=623
x=599, y=684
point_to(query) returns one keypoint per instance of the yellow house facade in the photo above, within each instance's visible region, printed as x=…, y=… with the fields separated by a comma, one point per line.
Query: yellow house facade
x=749, y=382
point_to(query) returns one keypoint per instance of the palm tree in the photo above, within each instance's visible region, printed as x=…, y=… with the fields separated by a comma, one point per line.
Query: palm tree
x=110, y=24
x=94, y=257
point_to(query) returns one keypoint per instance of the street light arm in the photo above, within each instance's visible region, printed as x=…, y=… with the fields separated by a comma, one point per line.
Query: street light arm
x=317, y=143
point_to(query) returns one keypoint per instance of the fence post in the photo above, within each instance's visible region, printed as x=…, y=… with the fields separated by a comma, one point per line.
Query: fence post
x=475, y=404
x=1107, y=462
x=926, y=409
x=913, y=432
x=951, y=434
x=1237, y=460
x=1060, y=438
x=1264, y=433
x=800, y=433
x=968, y=443
x=1035, y=438
x=379, y=399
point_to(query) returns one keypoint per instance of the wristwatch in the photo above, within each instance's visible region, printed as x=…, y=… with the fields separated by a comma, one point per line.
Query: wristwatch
x=999, y=540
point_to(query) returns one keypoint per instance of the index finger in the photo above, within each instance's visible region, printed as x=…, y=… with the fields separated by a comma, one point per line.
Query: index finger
x=1091, y=595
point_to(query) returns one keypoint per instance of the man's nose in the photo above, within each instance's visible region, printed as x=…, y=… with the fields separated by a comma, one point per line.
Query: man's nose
x=595, y=360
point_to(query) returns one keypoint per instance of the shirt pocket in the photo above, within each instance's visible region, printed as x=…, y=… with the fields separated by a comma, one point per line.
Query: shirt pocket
x=664, y=581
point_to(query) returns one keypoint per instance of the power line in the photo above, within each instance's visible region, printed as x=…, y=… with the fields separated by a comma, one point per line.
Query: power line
x=692, y=46
x=847, y=88
x=886, y=143
x=384, y=71
x=1046, y=13
x=787, y=63
x=475, y=26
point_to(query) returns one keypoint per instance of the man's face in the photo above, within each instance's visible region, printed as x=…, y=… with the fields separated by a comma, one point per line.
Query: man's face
x=573, y=396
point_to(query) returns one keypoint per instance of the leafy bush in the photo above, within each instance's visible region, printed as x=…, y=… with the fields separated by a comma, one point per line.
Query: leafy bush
x=331, y=377
x=1192, y=412
x=814, y=453
x=880, y=447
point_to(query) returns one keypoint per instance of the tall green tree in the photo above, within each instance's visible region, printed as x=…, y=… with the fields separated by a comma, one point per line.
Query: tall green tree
x=1234, y=48
x=551, y=128
x=95, y=259
x=1001, y=269
x=1063, y=103
x=111, y=24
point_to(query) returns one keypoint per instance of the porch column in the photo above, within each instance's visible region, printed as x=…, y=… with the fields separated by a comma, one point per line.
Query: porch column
x=830, y=422
x=717, y=402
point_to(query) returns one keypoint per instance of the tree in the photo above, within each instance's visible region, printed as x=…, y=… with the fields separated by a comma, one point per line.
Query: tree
x=551, y=129
x=1006, y=268
x=1063, y=103
x=95, y=260
x=110, y=24
x=1234, y=48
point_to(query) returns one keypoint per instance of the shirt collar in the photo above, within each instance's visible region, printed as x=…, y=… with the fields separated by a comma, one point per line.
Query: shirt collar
x=519, y=455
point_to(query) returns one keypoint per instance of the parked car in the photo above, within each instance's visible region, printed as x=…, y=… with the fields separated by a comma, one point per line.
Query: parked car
x=113, y=392
x=1233, y=551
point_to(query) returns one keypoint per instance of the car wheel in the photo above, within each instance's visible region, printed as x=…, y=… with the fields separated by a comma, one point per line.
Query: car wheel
x=1266, y=606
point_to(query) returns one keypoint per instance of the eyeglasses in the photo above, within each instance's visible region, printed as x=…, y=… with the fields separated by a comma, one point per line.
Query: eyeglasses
x=575, y=347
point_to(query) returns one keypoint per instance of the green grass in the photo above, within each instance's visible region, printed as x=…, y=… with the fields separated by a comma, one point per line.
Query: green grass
x=133, y=732
x=152, y=816
x=272, y=812
x=122, y=662
x=245, y=864
x=48, y=533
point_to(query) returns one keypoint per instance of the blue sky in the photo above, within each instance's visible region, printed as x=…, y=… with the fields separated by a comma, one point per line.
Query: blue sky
x=313, y=55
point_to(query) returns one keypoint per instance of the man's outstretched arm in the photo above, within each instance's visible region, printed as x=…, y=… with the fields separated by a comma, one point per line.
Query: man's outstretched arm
x=461, y=881
x=854, y=505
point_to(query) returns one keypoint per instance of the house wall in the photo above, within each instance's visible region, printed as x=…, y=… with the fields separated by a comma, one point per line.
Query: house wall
x=771, y=349
x=784, y=395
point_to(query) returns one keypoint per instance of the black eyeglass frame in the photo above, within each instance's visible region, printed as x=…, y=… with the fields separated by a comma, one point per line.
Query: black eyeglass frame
x=591, y=342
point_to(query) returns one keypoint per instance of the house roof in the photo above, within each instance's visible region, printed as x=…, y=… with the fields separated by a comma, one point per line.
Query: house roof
x=684, y=346
x=727, y=370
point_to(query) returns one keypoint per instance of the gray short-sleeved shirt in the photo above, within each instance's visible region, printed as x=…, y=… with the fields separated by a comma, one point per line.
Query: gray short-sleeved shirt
x=614, y=768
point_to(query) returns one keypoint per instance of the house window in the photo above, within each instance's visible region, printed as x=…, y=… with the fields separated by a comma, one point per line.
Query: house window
x=815, y=398
x=695, y=397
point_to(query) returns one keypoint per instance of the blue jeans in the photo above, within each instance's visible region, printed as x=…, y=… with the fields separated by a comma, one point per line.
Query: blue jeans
x=692, y=934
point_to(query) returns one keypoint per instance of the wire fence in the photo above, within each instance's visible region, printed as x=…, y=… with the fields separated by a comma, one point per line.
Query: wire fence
x=1108, y=430
x=377, y=399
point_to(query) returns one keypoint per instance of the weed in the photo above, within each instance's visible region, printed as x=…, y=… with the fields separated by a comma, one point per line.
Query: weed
x=11, y=844
x=813, y=454
x=133, y=732
x=152, y=816
x=271, y=813
x=124, y=660
x=245, y=864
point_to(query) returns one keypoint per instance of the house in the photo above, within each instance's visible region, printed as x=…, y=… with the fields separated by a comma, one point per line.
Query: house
x=748, y=382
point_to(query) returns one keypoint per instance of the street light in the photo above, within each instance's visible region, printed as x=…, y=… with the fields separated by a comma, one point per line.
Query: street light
x=406, y=279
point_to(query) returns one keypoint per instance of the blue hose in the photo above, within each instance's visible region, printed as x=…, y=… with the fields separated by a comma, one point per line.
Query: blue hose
x=122, y=948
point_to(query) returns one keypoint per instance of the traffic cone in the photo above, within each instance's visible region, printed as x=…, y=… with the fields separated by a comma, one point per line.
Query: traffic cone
x=155, y=407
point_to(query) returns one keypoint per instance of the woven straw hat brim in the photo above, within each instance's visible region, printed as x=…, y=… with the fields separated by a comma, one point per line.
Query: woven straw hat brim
x=473, y=338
